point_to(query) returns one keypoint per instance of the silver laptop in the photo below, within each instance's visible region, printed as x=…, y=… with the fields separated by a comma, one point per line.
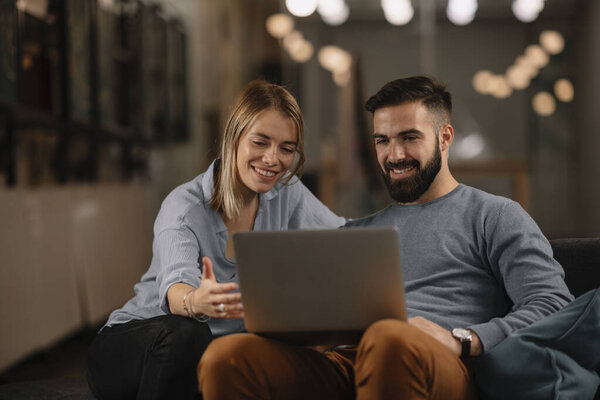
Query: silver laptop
x=319, y=286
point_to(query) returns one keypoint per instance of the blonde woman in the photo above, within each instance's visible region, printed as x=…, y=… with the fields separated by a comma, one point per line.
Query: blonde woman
x=151, y=346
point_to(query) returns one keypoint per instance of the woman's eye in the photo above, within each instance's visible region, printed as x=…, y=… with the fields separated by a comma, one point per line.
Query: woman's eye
x=258, y=143
x=287, y=150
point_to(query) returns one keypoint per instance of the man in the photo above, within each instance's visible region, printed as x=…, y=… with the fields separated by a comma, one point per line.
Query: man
x=476, y=268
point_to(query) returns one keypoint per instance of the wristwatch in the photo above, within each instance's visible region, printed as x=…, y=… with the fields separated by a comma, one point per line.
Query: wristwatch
x=465, y=337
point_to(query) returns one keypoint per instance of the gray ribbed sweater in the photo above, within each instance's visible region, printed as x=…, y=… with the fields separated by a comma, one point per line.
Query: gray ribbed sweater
x=474, y=260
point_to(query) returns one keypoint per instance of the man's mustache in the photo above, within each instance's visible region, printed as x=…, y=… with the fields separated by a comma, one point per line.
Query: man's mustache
x=401, y=164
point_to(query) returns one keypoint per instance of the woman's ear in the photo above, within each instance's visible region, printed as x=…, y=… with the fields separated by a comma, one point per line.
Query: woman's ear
x=446, y=137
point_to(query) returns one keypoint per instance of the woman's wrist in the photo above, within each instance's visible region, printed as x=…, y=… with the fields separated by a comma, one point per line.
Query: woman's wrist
x=190, y=310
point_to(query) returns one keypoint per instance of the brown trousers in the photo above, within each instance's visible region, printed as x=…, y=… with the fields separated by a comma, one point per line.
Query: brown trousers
x=392, y=361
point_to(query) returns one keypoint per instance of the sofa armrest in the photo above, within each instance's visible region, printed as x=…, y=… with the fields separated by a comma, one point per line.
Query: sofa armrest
x=580, y=258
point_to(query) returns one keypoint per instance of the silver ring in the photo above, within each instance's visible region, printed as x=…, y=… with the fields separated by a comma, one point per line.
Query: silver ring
x=222, y=307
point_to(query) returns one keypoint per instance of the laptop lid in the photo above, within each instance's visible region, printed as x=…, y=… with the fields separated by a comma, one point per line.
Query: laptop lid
x=319, y=286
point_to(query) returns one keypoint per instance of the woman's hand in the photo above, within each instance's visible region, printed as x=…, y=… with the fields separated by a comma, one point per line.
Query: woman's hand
x=215, y=299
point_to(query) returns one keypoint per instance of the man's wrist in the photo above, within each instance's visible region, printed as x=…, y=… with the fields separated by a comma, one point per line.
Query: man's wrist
x=465, y=338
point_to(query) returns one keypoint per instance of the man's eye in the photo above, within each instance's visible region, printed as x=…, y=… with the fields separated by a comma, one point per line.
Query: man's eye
x=380, y=141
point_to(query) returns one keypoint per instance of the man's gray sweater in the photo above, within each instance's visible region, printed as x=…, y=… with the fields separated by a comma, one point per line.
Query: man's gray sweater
x=474, y=260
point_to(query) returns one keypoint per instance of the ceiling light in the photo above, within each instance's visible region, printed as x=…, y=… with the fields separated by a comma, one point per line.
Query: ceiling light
x=292, y=39
x=342, y=78
x=461, y=12
x=552, y=41
x=333, y=16
x=527, y=10
x=397, y=12
x=302, y=51
x=334, y=58
x=564, y=91
x=537, y=56
x=279, y=25
x=481, y=81
x=544, y=104
x=517, y=77
x=301, y=8
x=499, y=87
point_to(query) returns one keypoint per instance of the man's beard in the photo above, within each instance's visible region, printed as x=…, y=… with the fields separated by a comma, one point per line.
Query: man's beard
x=411, y=189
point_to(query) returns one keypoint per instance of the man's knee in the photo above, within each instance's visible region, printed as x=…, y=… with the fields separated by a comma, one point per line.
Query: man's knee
x=224, y=354
x=390, y=334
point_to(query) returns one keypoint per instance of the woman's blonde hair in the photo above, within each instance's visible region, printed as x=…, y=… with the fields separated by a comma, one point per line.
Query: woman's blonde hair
x=256, y=97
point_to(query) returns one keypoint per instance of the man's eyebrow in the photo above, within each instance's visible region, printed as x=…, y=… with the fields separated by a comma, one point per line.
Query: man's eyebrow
x=411, y=131
x=267, y=137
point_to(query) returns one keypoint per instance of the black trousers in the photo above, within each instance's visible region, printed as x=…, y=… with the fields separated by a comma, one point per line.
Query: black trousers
x=148, y=359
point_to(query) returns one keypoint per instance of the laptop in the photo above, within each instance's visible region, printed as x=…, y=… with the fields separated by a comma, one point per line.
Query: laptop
x=319, y=286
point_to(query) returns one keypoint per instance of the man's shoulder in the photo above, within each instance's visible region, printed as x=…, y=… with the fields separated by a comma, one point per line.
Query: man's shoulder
x=378, y=218
x=475, y=196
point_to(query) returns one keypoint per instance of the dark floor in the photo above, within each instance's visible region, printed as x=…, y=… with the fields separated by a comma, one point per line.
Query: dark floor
x=64, y=360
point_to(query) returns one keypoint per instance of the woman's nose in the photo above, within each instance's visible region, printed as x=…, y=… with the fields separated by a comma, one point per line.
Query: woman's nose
x=270, y=156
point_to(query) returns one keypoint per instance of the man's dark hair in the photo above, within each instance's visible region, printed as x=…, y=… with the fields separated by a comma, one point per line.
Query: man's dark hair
x=428, y=90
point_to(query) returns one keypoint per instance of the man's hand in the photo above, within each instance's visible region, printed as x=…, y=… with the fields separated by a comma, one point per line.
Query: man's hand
x=444, y=336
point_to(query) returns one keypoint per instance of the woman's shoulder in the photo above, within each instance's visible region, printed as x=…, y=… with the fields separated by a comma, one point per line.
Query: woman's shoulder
x=181, y=201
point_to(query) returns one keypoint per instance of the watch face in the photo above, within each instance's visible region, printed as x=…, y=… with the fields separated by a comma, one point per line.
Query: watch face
x=461, y=333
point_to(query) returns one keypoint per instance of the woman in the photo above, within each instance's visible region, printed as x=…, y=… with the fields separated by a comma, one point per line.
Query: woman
x=151, y=346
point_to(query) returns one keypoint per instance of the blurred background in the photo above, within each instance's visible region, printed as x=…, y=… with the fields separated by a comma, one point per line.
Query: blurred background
x=107, y=105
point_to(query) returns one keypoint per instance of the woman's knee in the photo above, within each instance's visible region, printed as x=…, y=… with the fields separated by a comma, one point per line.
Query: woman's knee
x=183, y=336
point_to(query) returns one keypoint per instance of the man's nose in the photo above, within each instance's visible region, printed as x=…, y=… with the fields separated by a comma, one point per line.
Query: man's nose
x=397, y=152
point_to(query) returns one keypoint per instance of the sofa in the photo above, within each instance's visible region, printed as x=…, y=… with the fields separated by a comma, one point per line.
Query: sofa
x=580, y=259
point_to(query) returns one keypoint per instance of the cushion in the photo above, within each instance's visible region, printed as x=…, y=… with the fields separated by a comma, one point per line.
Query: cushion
x=557, y=357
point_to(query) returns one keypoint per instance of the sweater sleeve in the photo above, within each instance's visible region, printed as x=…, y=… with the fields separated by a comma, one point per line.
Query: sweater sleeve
x=521, y=257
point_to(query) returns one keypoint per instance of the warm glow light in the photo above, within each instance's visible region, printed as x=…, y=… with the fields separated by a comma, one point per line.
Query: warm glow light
x=482, y=80
x=292, y=39
x=527, y=10
x=499, y=87
x=302, y=51
x=517, y=77
x=279, y=25
x=337, y=18
x=461, y=12
x=544, y=104
x=537, y=56
x=334, y=59
x=342, y=78
x=564, y=91
x=301, y=8
x=397, y=12
x=526, y=65
x=552, y=41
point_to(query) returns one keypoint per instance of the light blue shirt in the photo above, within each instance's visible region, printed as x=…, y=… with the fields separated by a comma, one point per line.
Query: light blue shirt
x=187, y=228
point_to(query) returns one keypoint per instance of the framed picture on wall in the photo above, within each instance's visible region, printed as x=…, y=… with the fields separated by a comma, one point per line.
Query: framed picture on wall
x=79, y=28
x=40, y=41
x=154, y=72
x=108, y=52
x=8, y=50
x=177, y=88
